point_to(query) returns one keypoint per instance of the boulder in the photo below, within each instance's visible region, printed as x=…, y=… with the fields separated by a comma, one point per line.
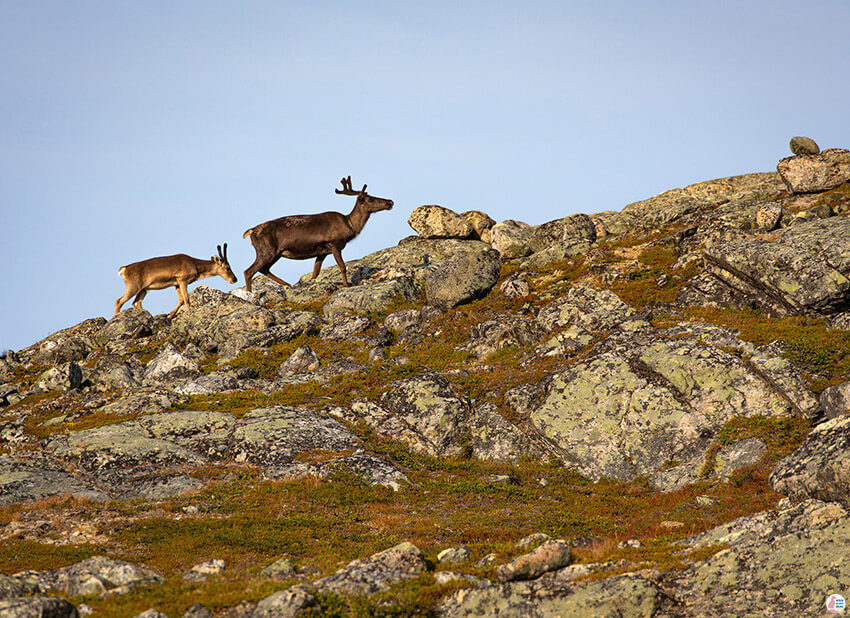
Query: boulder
x=65, y=377
x=37, y=607
x=510, y=238
x=303, y=360
x=789, y=559
x=575, y=231
x=481, y=223
x=815, y=173
x=548, y=556
x=290, y=603
x=169, y=365
x=23, y=479
x=804, y=146
x=835, y=400
x=738, y=455
x=372, y=297
x=371, y=468
x=439, y=222
x=404, y=561
x=462, y=279
x=803, y=269
x=67, y=345
x=820, y=468
x=96, y=575
x=131, y=323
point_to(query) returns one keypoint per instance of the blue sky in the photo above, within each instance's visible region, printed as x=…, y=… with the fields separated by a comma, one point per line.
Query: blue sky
x=130, y=130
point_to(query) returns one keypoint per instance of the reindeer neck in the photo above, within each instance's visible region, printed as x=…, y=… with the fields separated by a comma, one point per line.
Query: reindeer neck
x=358, y=216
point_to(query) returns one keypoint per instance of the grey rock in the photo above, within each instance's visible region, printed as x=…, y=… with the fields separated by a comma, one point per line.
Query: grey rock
x=510, y=238
x=768, y=216
x=345, y=327
x=373, y=469
x=28, y=479
x=627, y=596
x=835, y=400
x=549, y=556
x=112, y=371
x=196, y=610
x=202, y=572
x=505, y=331
x=738, y=455
x=65, y=377
x=37, y=607
x=515, y=287
x=454, y=555
x=804, y=146
x=815, y=173
x=573, y=230
x=534, y=539
x=462, y=279
x=781, y=276
x=151, y=613
x=439, y=222
x=281, y=569
x=67, y=345
x=96, y=575
x=289, y=603
x=141, y=401
x=372, y=297
x=131, y=323
x=820, y=468
x=787, y=559
x=303, y=360
x=169, y=365
x=217, y=382
x=289, y=325
x=404, y=561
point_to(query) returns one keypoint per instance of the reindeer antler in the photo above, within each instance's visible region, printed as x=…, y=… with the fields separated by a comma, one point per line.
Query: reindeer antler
x=222, y=254
x=346, y=188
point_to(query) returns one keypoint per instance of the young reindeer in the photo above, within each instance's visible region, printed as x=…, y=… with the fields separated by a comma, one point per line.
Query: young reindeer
x=299, y=237
x=178, y=270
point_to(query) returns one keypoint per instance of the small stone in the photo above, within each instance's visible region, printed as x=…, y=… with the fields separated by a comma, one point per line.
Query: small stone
x=671, y=525
x=486, y=561
x=196, y=610
x=632, y=543
x=303, y=360
x=550, y=556
x=533, y=539
x=280, y=569
x=804, y=146
x=200, y=572
x=454, y=555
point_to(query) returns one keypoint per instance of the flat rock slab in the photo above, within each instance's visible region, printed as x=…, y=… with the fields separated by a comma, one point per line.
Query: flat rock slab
x=379, y=572
x=813, y=173
x=804, y=269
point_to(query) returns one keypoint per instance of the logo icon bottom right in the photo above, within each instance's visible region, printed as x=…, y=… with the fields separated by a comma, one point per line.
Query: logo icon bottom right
x=835, y=604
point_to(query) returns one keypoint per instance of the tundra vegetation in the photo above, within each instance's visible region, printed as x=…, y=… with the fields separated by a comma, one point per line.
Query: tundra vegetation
x=244, y=426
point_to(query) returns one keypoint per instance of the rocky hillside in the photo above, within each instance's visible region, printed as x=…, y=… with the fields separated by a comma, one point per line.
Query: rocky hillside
x=631, y=413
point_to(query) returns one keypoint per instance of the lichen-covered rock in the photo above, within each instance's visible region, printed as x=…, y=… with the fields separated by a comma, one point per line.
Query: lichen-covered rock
x=290, y=603
x=738, y=455
x=216, y=382
x=789, y=560
x=452, y=555
x=510, y=238
x=369, y=467
x=548, y=556
x=65, y=377
x=67, y=345
x=820, y=468
x=288, y=326
x=404, y=561
x=439, y=222
x=674, y=204
x=169, y=365
x=585, y=308
x=481, y=223
x=803, y=146
x=202, y=572
x=95, y=576
x=23, y=479
x=575, y=231
x=371, y=297
x=131, y=323
x=302, y=360
x=815, y=173
x=641, y=401
x=626, y=596
x=835, y=400
x=217, y=317
x=803, y=270
x=462, y=279
x=505, y=331
x=37, y=607
x=273, y=436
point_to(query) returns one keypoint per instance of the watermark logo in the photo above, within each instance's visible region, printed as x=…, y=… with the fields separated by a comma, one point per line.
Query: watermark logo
x=835, y=604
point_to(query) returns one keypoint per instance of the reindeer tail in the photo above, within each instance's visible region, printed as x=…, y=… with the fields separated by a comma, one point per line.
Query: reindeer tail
x=121, y=270
x=248, y=233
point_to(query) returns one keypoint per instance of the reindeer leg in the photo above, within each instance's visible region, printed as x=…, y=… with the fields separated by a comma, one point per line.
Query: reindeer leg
x=338, y=257
x=137, y=302
x=180, y=300
x=318, y=265
x=268, y=274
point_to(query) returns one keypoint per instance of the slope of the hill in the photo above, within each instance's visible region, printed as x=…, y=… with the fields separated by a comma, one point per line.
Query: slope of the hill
x=640, y=412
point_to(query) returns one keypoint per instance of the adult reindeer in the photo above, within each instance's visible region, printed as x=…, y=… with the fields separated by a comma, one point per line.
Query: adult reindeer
x=299, y=237
x=178, y=270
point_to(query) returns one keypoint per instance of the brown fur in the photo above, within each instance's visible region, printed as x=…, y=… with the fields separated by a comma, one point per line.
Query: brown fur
x=300, y=237
x=162, y=272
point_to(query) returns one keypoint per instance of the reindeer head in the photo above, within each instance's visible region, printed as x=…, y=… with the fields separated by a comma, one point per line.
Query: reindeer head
x=372, y=203
x=222, y=265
